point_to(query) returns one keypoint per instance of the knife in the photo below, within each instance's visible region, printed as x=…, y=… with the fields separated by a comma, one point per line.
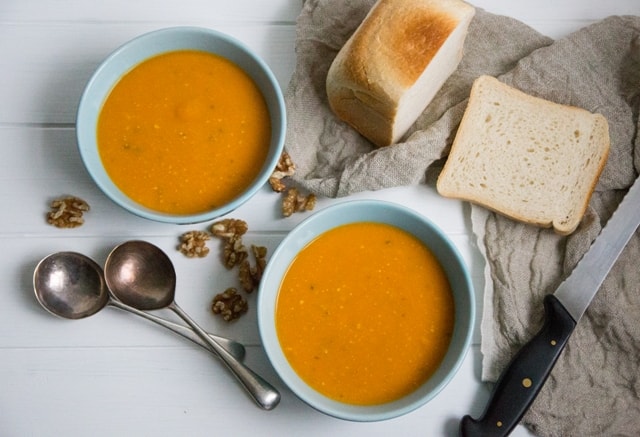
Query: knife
x=523, y=378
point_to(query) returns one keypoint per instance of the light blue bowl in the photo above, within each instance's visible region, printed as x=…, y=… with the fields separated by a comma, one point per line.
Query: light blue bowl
x=368, y=211
x=148, y=45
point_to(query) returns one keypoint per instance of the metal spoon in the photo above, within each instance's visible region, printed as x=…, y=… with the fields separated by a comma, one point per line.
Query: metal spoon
x=142, y=275
x=72, y=286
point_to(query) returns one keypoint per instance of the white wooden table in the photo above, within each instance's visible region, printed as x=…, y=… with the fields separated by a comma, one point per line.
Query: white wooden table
x=115, y=374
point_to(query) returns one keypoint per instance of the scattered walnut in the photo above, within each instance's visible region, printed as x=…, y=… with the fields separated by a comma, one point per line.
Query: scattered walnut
x=284, y=168
x=293, y=201
x=234, y=252
x=229, y=228
x=194, y=244
x=66, y=212
x=231, y=231
x=229, y=304
x=260, y=254
x=250, y=277
x=246, y=277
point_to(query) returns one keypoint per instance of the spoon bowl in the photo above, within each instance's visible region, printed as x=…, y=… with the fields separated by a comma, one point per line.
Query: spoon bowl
x=72, y=286
x=142, y=275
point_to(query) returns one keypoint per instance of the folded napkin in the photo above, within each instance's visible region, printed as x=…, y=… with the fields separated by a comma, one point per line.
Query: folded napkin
x=595, y=387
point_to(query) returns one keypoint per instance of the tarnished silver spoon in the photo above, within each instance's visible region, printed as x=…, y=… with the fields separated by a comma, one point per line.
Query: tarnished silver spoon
x=142, y=275
x=72, y=286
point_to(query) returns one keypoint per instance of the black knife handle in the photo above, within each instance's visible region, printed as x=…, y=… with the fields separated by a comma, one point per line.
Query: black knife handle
x=523, y=378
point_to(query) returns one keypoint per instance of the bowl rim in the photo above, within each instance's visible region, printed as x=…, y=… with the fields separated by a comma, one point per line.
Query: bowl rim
x=158, y=43
x=366, y=211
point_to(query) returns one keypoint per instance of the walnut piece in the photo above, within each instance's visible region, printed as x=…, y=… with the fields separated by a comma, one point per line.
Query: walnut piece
x=66, y=212
x=293, y=201
x=231, y=231
x=250, y=276
x=229, y=304
x=234, y=252
x=284, y=168
x=229, y=228
x=194, y=244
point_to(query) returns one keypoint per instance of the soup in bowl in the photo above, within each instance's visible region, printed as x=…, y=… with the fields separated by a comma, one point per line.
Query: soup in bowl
x=366, y=310
x=181, y=125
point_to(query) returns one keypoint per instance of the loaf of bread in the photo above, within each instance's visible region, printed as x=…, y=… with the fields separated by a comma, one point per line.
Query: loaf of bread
x=395, y=62
x=525, y=157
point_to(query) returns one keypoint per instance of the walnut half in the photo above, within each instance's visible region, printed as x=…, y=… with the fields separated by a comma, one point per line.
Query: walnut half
x=229, y=304
x=250, y=276
x=194, y=244
x=66, y=212
x=231, y=231
x=293, y=201
x=229, y=228
x=284, y=168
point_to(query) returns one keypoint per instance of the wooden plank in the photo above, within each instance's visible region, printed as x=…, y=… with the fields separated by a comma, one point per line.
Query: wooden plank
x=178, y=391
x=44, y=80
x=41, y=163
x=214, y=11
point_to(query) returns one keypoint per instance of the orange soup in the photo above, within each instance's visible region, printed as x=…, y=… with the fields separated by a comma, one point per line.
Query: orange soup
x=365, y=313
x=184, y=132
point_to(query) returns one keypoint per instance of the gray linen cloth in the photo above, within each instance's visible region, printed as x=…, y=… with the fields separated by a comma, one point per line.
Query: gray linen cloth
x=594, y=389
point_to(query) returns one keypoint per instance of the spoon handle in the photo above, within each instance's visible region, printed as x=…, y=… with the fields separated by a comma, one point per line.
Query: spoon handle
x=263, y=393
x=231, y=346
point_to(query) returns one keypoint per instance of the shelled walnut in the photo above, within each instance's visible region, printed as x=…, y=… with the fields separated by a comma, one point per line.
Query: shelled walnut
x=229, y=304
x=250, y=276
x=229, y=228
x=194, y=244
x=293, y=201
x=284, y=168
x=234, y=252
x=67, y=212
x=231, y=231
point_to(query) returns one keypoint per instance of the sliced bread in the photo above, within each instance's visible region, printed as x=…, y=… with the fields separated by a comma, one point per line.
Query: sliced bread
x=395, y=62
x=525, y=157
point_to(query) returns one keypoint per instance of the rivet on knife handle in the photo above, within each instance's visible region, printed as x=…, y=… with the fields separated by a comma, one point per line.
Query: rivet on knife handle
x=522, y=380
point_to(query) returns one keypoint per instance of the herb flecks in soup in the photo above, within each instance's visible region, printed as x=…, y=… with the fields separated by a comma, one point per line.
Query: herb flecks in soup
x=365, y=313
x=184, y=132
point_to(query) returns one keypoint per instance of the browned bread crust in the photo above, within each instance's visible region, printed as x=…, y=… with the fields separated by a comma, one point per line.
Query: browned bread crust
x=394, y=63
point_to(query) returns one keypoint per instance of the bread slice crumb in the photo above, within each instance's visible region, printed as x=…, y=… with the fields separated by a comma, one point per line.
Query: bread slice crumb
x=525, y=157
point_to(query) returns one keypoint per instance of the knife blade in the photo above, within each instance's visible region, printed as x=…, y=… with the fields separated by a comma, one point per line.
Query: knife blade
x=521, y=381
